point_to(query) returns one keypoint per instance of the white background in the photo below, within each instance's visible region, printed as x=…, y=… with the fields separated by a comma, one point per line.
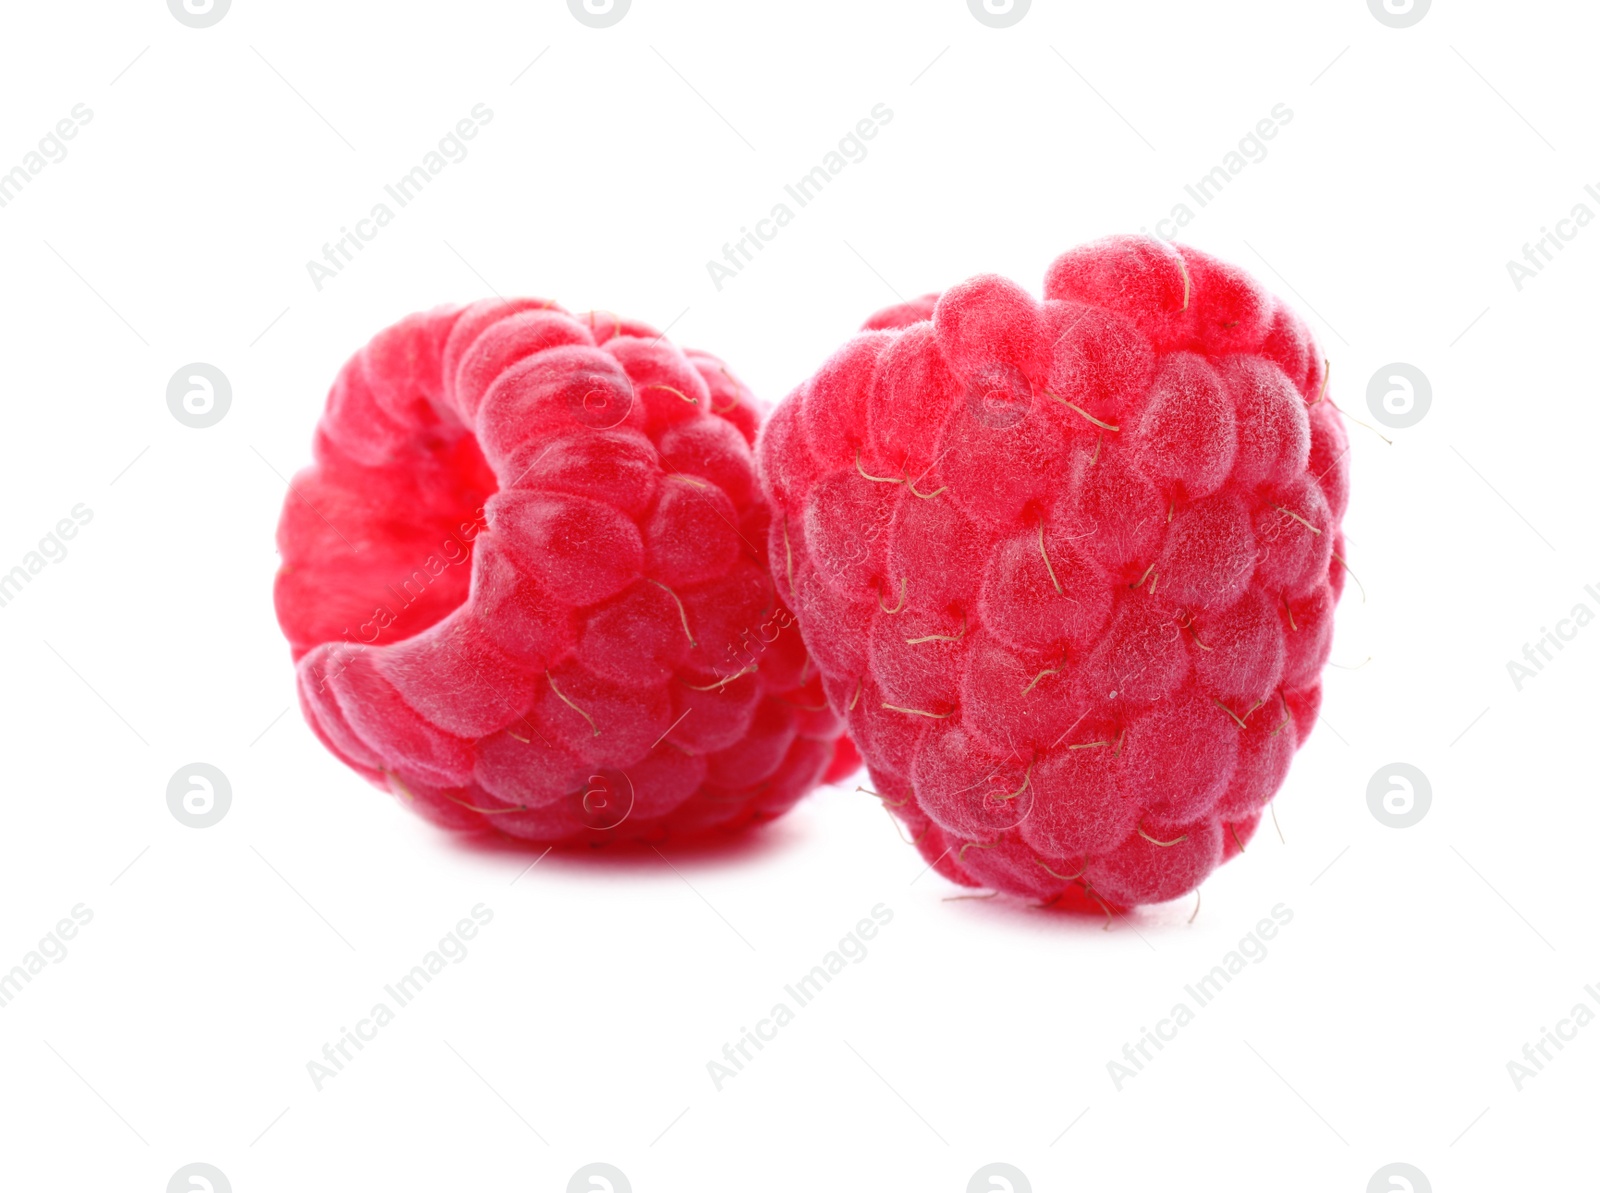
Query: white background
x=219, y=962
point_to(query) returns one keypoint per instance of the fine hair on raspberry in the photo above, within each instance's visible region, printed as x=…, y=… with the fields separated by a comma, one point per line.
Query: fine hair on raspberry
x=1069, y=567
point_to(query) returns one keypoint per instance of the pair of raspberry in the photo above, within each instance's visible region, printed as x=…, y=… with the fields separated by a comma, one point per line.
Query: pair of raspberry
x=1065, y=571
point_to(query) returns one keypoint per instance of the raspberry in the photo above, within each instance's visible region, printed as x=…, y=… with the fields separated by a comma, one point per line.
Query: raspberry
x=1068, y=568
x=526, y=584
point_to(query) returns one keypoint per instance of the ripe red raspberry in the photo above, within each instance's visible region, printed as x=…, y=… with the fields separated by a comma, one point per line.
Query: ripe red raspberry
x=526, y=583
x=1069, y=568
